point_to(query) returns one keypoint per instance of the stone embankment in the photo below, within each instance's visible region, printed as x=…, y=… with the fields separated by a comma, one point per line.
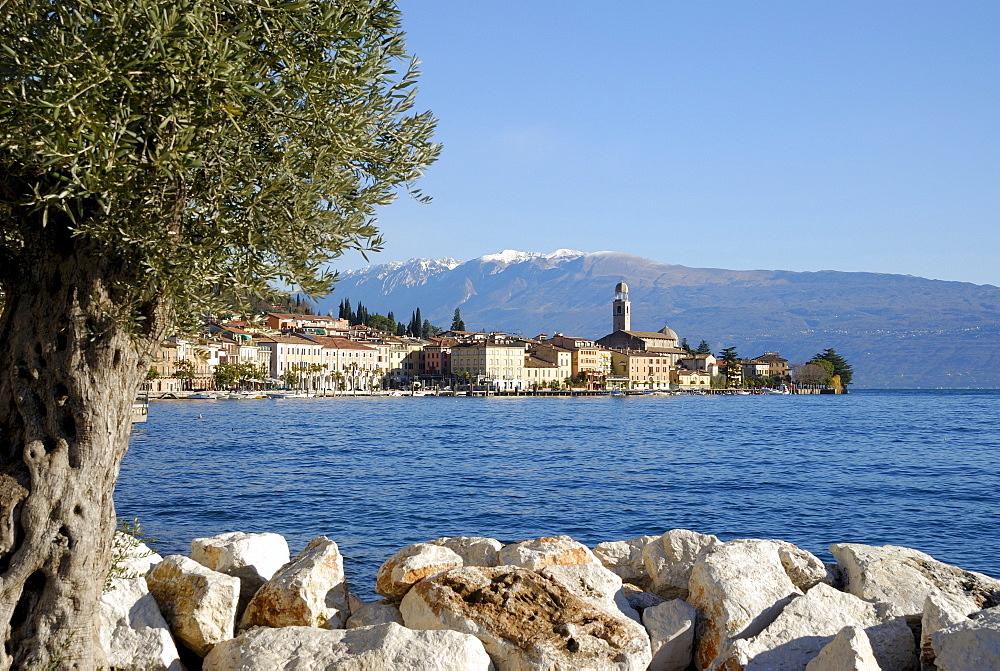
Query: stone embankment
x=678, y=601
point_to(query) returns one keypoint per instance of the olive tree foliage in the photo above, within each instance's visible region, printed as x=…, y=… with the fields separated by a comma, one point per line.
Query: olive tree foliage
x=156, y=155
x=214, y=142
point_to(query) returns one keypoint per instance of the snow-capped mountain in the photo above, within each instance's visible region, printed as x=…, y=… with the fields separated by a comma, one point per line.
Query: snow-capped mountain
x=898, y=331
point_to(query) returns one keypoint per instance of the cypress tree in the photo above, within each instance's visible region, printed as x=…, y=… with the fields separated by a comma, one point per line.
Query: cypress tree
x=840, y=365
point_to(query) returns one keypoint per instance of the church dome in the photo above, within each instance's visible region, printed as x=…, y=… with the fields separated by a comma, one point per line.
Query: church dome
x=621, y=288
x=669, y=332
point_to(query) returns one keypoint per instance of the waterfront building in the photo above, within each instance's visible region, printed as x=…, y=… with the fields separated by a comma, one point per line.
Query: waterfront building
x=541, y=374
x=402, y=358
x=700, y=361
x=437, y=357
x=561, y=358
x=685, y=378
x=497, y=361
x=347, y=362
x=642, y=369
x=165, y=366
x=587, y=360
x=768, y=364
x=291, y=354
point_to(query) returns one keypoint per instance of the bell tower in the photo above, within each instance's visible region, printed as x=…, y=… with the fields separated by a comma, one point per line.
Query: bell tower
x=621, y=309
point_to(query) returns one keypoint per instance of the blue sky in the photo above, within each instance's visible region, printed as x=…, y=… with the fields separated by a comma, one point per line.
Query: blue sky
x=800, y=135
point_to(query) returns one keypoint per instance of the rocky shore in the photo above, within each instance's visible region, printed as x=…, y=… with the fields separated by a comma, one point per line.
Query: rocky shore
x=678, y=601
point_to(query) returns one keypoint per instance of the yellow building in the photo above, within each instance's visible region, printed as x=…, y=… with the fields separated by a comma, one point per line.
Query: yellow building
x=498, y=363
x=643, y=369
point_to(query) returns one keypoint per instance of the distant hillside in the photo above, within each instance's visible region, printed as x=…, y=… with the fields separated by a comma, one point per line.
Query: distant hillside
x=897, y=330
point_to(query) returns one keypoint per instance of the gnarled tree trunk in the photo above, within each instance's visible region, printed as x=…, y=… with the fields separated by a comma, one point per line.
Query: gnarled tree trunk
x=68, y=377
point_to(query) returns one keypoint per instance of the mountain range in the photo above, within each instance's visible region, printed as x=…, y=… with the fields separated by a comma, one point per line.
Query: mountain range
x=898, y=331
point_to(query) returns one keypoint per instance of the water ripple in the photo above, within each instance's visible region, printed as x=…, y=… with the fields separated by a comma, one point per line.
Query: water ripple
x=907, y=468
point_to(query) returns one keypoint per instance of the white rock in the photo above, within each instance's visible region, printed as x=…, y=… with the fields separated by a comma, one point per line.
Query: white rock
x=354, y=602
x=940, y=611
x=850, y=650
x=526, y=620
x=669, y=560
x=309, y=591
x=386, y=647
x=671, y=634
x=198, y=603
x=810, y=622
x=132, y=630
x=412, y=564
x=594, y=584
x=905, y=577
x=970, y=644
x=370, y=614
x=474, y=550
x=803, y=568
x=253, y=558
x=624, y=558
x=537, y=553
x=739, y=588
x=640, y=600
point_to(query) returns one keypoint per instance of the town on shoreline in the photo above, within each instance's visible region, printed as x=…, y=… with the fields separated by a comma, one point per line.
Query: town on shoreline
x=287, y=354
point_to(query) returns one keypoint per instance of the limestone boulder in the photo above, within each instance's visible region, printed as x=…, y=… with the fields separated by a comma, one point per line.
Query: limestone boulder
x=132, y=630
x=371, y=614
x=670, y=625
x=970, y=644
x=526, y=620
x=412, y=564
x=253, y=558
x=594, y=584
x=309, y=591
x=906, y=577
x=624, y=558
x=810, y=622
x=850, y=650
x=640, y=600
x=385, y=647
x=474, y=550
x=537, y=553
x=198, y=603
x=669, y=560
x=739, y=588
x=940, y=611
x=803, y=568
x=354, y=602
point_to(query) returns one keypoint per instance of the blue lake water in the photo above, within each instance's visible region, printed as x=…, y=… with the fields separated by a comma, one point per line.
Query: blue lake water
x=912, y=468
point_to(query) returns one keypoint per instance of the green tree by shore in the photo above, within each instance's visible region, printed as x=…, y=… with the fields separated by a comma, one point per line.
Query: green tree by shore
x=839, y=365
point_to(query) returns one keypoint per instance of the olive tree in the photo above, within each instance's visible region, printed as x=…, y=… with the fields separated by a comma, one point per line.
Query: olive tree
x=155, y=155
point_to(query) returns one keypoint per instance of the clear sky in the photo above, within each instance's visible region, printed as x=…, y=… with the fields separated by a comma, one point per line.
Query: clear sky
x=857, y=135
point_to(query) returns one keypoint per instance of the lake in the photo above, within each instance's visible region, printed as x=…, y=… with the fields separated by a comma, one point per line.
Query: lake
x=912, y=468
